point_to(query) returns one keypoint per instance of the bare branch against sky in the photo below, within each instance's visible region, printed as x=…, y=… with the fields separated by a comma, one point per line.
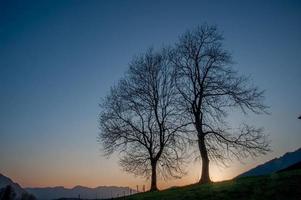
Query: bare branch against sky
x=140, y=119
x=209, y=89
x=58, y=58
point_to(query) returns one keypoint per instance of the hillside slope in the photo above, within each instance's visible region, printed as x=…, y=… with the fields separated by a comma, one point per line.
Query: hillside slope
x=277, y=186
x=275, y=165
x=4, y=181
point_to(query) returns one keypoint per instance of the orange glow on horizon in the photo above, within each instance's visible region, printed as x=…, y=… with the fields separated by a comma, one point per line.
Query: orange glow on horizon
x=116, y=177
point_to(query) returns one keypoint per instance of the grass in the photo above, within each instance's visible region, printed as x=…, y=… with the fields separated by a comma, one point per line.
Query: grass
x=278, y=186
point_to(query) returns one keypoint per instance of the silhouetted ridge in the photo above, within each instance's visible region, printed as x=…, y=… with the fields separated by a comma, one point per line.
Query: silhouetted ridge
x=275, y=164
x=100, y=192
x=5, y=181
x=292, y=167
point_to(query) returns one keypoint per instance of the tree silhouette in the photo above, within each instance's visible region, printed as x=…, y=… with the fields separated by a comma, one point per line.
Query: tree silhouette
x=140, y=119
x=7, y=193
x=27, y=196
x=209, y=89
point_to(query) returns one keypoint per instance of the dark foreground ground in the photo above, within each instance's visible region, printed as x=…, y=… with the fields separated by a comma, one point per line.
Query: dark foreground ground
x=278, y=186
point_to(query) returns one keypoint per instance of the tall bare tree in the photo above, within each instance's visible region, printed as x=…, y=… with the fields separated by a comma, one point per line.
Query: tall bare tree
x=209, y=89
x=140, y=119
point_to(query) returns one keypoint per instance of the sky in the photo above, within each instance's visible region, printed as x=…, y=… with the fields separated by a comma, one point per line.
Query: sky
x=59, y=58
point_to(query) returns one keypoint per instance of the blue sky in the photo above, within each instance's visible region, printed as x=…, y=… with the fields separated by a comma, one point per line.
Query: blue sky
x=59, y=58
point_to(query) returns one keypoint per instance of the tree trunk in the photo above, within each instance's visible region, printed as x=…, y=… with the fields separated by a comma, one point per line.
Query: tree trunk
x=205, y=178
x=154, y=176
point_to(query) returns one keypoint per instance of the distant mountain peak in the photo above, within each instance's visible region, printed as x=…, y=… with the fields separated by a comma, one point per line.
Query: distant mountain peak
x=80, y=187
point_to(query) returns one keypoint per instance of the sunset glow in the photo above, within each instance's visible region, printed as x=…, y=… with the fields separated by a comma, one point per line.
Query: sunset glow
x=58, y=59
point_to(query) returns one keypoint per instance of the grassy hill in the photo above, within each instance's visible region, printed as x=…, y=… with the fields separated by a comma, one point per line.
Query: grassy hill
x=278, y=186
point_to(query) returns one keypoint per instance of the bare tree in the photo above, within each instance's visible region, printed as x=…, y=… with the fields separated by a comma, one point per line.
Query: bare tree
x=209, y=89
x=140, y=119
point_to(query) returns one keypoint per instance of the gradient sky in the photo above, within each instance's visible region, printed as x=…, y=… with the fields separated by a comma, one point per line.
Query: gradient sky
x=59, y=58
